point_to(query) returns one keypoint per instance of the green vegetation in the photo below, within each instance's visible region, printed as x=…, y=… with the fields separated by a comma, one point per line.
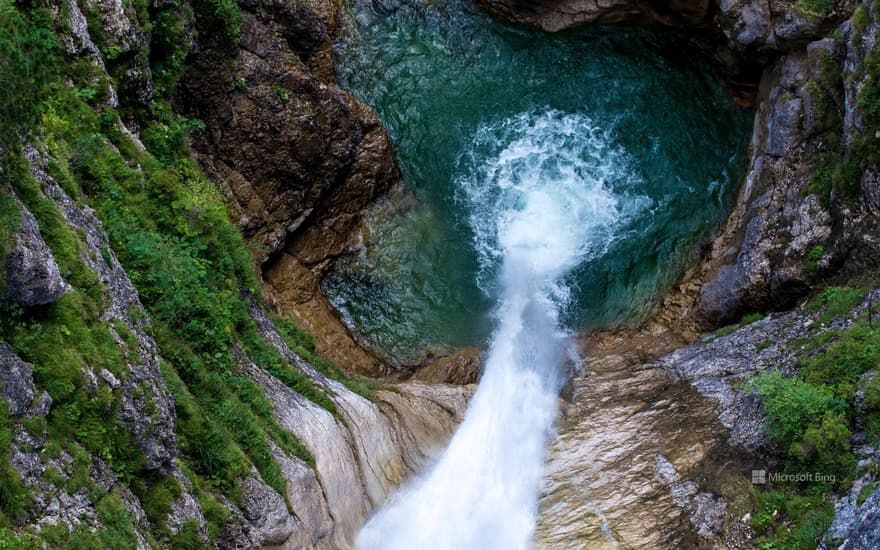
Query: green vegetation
x=744, y=321
x=816, y=255
x=815, y=8
x=218, y=23
x=811, y=418
x=861, y=18
x=302, y=344
x=168, y=226
x=790, y=521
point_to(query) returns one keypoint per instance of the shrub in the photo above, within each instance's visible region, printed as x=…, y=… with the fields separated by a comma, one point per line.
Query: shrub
x=815, y=8
x=861, y=18
x=28, y=66
x=791, y=405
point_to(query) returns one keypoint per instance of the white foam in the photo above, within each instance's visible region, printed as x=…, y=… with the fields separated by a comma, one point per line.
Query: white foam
x=551, y=196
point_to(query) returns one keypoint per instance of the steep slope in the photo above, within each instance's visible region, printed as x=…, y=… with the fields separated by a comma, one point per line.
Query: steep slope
x=150, y=399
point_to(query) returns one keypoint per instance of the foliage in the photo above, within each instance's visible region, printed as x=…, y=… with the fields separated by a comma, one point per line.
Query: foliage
x=168, y=226
x=791, y=405
x=836, y=301
x=218, y=23
x=790, y=521
x=861, y=18
x=26, y=42
x=168, y=50
x=301, y=343
x=14, y=498
x=815, y=8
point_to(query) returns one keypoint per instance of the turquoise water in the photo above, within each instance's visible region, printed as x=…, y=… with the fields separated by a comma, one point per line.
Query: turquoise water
x=467, y=99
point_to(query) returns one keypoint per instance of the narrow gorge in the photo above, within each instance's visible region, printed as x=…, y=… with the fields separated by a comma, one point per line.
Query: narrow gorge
x=394, y=274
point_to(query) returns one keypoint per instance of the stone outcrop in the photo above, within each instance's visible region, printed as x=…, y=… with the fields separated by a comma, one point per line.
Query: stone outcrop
x=362, y=454
x=656, y=448
x=302, y=159
x=31, y=276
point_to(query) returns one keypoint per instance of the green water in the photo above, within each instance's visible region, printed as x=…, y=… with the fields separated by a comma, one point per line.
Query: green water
x=439, y=72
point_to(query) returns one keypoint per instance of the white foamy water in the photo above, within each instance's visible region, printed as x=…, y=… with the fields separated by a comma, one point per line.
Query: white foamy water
x=553, y=194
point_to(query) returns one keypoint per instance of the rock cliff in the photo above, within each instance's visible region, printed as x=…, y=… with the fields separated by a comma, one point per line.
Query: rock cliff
x=127, y=423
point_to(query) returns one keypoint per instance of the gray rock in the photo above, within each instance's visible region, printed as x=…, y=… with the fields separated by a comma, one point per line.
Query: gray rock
x=784, y=126
x=32, y=276
x=871, y=191
x=865, y=535
x=17, y=380
x=265, y=509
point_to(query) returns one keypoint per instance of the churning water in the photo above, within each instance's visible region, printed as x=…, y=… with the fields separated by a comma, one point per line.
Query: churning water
x=441, y=75
x=552, y=193
x=555, y=183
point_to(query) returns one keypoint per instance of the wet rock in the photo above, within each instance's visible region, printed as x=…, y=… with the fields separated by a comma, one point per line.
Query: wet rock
x=556, y=15
x=781, y=239
x=361, y=456
x=462, y=367
x=302, y=159
x=32, y=277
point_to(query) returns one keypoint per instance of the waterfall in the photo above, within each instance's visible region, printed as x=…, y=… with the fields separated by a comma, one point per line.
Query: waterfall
x=553, y=194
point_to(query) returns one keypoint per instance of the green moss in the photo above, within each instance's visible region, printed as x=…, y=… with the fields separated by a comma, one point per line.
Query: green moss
x=188, y=537
x=861, y=18
x=815, y=8
x=14, y=497
x=866, y=491
x=302, y=344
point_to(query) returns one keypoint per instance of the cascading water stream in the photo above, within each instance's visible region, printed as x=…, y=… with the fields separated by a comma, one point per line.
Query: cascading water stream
x=553, y=194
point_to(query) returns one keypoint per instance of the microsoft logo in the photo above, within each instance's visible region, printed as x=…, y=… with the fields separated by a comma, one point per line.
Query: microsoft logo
x=759, y=477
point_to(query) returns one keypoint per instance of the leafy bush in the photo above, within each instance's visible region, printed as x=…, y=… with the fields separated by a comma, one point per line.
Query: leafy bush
x=218, y=22
x=27, y=68
x=789, y=521
x=815, y=8
x=792, y=405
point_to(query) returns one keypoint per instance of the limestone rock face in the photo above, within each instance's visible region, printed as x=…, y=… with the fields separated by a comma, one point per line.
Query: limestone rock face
x=656, y=447
x=462, y=367
x=18, y=384
x=126, y=41
x=31, y=276
x=785, y=234
x=302, y=159
x=556, y=15
x=363, y=453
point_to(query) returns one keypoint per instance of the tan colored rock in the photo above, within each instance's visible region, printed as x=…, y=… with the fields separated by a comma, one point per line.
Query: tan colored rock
x=462, y=367
x=302, y=159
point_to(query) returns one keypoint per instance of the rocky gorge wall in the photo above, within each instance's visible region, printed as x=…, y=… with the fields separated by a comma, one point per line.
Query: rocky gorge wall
x=652, y=420
x=129, y=425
